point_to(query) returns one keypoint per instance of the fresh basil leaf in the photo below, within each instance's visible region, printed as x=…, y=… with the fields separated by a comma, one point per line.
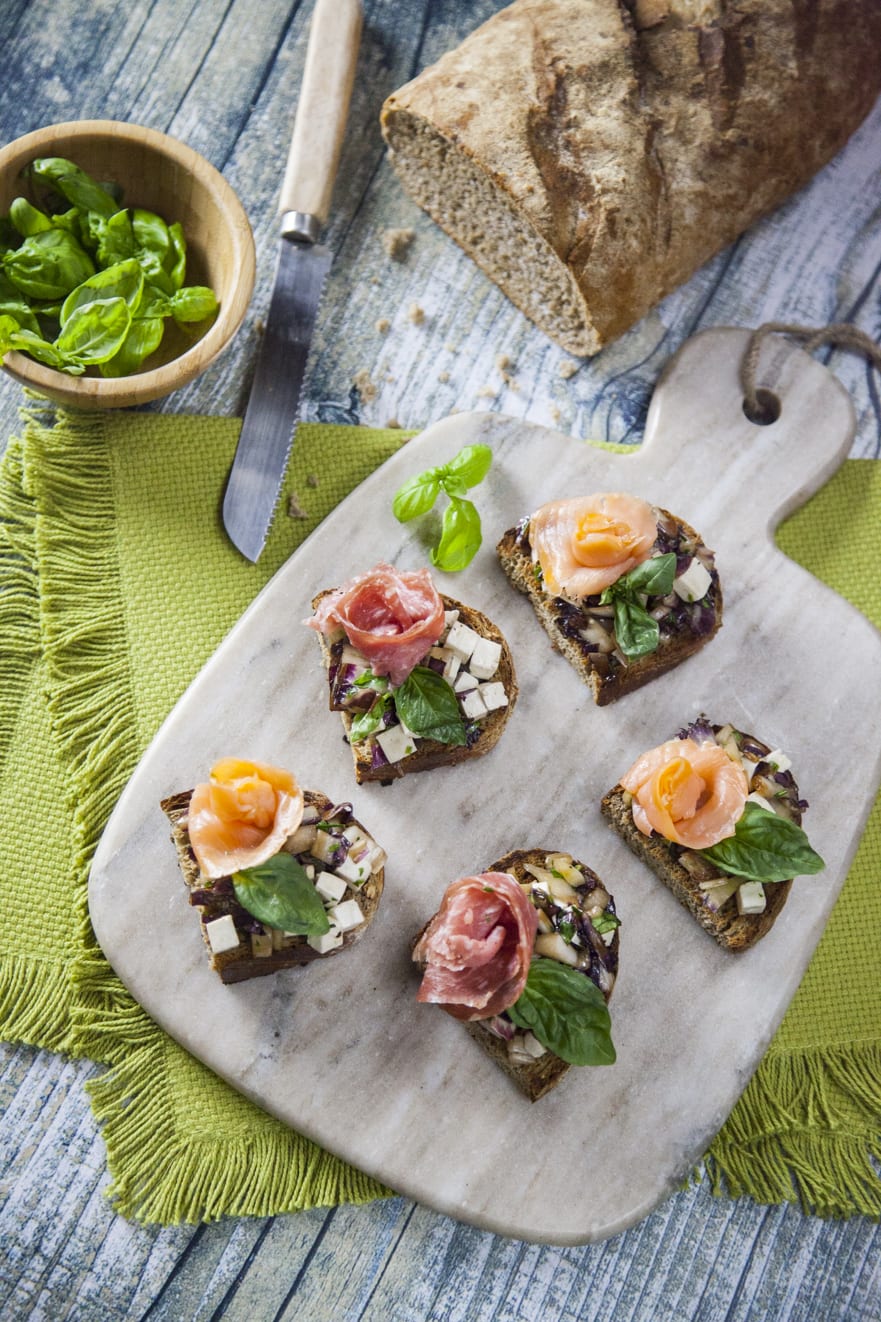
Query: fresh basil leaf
x=95, y=332
x=48, y=265
x=176, y=257
x=416, y=496
x=27, y=219
x=566, y=1011
x=368, y=722
x=117, y=241
x=636, y=633
x=427, y=705
x=144, y=337
x=452, y=485
x=150, y=232
x=74, y=184
x=765, y=847
x=605, y=922
x=470, y=465
x=124, y=280
x=461, y=536
x=9, y=235
x=26, y=341
x=13, y=304
x=654, y=576
x=193, y=303
x=279, y=893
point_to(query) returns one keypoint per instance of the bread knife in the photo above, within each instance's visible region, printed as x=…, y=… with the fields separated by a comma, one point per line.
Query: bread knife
x=258, y=469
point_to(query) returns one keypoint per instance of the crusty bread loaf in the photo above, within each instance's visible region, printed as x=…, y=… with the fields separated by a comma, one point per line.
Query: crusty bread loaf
x=429, y=752
x=536, y=1077
x=590, y=155
x=732, y=930
x=609, y=676
x=240, y=963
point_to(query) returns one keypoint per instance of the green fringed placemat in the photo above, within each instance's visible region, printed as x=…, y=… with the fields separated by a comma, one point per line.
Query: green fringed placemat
x=117, y=584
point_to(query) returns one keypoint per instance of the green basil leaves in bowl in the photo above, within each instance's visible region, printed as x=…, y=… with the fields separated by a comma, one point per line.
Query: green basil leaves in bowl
x=126, y=263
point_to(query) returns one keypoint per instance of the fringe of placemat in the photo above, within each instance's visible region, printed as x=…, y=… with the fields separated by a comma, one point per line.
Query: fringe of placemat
x=806, y=1130
x=82, y=637
x=266, y=1168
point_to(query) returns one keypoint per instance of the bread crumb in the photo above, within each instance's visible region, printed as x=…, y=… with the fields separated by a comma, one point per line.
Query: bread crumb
x=556, y=414
x=393, y=423
x=295, y=509
x=486, y=392
x=383, y=325
x=365, y=387
x=397, y=243
x=505, y=366
x=312, y=480
x=443, y=377
x=416, y=314
x=567, y=368
x=451, y=348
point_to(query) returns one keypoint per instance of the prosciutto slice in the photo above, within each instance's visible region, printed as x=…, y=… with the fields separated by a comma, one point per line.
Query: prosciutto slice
x=393, y=618
x=477, y=947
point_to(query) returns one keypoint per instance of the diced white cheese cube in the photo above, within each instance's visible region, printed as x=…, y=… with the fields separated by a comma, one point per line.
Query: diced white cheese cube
x=749, y=767
x=760, y=801
x=327, y=941
x=473, y=705
x=461, y=640
x=465, y=681
x=350, y=656
x=485, y=658
x=324, y=846
x=346, y=915
x=261, y=945
x=309, y=869
x=693, y=584
x=493, y=695
x=222, y=934
x=396, y=742
x=751, y=897
x=376, y=857
x=330, y=886
x=450, y=618
x=450, y=661
x=779, y=760
x=355, y=872
x=532, y=1046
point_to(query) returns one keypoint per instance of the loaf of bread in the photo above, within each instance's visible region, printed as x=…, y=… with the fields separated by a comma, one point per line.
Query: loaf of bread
x=590, y=155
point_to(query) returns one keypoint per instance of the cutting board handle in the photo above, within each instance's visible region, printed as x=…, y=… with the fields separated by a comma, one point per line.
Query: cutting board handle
x=320, y=122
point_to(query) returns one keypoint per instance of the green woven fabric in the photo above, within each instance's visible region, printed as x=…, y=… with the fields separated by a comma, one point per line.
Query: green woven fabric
x=117, y=584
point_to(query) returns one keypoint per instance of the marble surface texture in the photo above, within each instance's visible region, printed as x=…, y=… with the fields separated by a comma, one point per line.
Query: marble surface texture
x=341, y=1050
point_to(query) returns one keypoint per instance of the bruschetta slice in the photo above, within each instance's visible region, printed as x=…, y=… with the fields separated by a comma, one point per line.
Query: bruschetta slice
x=280, y=876
x=716, y=814
x=624, y=589
x=525, y=956
x=420, y=680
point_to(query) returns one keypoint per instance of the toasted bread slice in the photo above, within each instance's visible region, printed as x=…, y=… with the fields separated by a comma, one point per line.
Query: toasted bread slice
x=483, y=731
x=262, y=950
x=508, y=1046
x=684, y=871
x=585, y=635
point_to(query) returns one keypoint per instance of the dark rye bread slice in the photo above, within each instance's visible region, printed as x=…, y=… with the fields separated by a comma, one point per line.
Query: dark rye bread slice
x=239, y=964
x=608, y=675
x=732, y=930
x=429, y=752
x=538, y=1076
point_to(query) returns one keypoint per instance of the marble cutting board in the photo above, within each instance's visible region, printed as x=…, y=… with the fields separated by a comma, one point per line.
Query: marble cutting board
x=341, y=1050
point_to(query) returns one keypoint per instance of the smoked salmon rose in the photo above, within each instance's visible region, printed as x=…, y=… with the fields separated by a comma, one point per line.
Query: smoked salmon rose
x=586, y=543
x=477, y=947
x=691, y=793
x=242, y=816
x=393, y=618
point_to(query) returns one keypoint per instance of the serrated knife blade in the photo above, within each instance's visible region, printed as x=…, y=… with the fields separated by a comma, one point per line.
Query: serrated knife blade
x=258, y=470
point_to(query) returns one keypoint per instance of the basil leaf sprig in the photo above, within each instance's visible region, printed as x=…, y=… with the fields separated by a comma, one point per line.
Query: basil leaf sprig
x=637, y=634
x=765, y=847
x=94, y=285
x=566, y=1011
x=461, y=533
x=427, y=705
x=279, y=893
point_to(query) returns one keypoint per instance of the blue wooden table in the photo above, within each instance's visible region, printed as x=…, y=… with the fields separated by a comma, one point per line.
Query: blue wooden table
x=405, y=342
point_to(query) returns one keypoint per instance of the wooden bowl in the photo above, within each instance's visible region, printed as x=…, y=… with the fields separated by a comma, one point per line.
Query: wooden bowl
x=160, y=174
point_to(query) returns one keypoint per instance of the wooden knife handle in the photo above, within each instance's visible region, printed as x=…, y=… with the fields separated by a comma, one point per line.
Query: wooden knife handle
x=320, y=122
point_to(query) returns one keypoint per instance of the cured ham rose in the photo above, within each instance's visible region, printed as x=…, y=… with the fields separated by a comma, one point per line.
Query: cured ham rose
x=242, y=816
x=586, y=543
x=393, y=618
x=477, y=947
x=691, y=793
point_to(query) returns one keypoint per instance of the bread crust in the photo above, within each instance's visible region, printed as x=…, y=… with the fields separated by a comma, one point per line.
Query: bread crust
x=590, y=155
x=617, y=679
x=239, y=964
x=539, y=1076
x=429, y=752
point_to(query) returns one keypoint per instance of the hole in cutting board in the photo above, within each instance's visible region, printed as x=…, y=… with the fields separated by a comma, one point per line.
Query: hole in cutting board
x=768, y=410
